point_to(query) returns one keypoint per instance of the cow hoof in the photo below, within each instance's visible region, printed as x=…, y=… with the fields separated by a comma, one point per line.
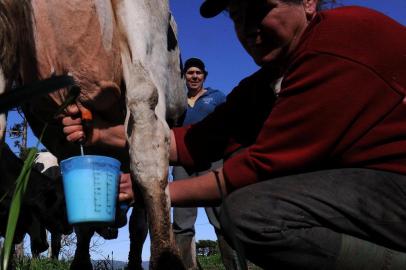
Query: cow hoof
x=132, y=266
x=108, y=233
x=81, y=265
x=168, y=261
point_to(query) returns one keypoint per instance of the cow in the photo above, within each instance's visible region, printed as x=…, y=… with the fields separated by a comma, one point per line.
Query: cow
x=43, y=202
x=122, y=54
x=46, y=164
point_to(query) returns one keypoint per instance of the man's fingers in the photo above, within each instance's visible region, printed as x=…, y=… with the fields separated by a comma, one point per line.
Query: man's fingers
x=69, y=121
x=126, y=192
x=73, y=128
x=125, y=184
x=72, y=109
x=74, y=133
x=76, y=136
x=122, y=197
x=126, y=188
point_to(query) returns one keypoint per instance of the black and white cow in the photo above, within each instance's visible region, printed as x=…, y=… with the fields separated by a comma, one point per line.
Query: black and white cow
x=43, y=203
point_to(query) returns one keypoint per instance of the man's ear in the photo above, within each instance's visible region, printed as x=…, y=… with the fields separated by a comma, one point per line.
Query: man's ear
x=310, y=7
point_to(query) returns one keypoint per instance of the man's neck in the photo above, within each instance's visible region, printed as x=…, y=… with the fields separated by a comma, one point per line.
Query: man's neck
x=194, y=95
x=195, y=92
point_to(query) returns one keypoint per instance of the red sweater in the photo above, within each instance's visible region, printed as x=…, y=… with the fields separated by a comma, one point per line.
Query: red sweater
x=340, y=106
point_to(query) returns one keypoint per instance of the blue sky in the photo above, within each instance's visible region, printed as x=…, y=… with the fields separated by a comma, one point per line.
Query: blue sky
x=214, y=41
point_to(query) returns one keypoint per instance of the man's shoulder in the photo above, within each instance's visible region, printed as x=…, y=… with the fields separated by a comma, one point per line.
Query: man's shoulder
x=351, y=14
x=348, y=28
x=256, y=86
x=214, y=92
x=357, y=34
x=260, y=78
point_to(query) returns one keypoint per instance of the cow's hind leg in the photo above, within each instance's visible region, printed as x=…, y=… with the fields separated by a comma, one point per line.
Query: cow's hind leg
x=81, y=260
x=138, y=229
x=56, y=246
x=38, y=237
x=149, y=149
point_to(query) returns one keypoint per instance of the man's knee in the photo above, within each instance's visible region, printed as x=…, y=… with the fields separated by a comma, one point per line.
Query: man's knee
x=254, y=213
x=263, y=213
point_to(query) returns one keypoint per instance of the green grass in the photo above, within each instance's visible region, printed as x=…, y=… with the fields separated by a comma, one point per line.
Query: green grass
x=28, y=263
x=214, y=263
x=211, y=262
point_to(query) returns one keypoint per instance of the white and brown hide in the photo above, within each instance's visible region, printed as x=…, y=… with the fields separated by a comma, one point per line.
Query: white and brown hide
x=120, y=52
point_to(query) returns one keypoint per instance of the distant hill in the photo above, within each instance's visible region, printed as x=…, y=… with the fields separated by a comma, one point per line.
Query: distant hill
x=145, y=265
x=117, y=265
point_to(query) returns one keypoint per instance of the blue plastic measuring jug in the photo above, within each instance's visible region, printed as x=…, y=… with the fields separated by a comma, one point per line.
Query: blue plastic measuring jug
x=91, y=185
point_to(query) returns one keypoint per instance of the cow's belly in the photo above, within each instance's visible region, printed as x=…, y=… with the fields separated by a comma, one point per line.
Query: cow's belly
x=79, y=38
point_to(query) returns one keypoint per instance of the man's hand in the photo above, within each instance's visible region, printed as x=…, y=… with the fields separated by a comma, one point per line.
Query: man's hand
x=72, y=125
x=102, y=132
x=126, y=193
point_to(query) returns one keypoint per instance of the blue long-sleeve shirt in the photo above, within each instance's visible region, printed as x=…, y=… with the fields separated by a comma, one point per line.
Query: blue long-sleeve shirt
x=204, y=105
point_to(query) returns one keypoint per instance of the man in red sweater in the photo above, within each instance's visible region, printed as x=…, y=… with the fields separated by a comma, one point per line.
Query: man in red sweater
x=322, y=125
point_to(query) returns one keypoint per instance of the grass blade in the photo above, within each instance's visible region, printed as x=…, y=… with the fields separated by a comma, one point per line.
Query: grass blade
x=15, y=207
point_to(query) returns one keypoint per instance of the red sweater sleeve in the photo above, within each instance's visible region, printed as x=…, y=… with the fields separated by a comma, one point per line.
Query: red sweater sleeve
x=184, y=157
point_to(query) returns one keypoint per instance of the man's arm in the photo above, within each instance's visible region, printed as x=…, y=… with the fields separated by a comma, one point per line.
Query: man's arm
x=195, y=191
x=198, y=191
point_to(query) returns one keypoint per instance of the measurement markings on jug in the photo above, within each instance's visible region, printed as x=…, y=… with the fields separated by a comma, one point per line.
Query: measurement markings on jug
x=98, y=188
x=109, y=193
